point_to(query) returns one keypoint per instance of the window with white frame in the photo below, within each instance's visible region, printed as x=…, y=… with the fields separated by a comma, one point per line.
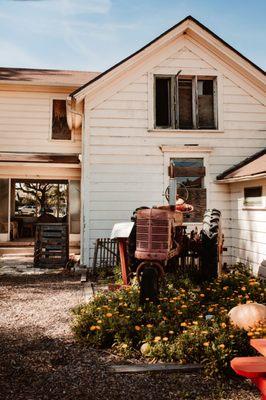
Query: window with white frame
x=253, y=196
x=190, y=173
x=185, y=102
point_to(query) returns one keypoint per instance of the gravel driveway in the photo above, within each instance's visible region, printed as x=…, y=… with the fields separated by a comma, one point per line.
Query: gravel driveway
x=39, y=358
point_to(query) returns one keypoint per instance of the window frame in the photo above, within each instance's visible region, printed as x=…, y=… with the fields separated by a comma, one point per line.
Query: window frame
x=218, y=104
x=168, y=155
x=249, y=206
x=50, y=138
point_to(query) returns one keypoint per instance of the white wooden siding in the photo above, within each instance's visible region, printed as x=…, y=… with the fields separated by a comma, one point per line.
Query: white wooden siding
x=248, y=227
x=125, y=160
x=25, y=123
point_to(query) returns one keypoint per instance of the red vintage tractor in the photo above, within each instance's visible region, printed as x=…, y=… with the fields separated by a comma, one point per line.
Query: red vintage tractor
x=158, y=240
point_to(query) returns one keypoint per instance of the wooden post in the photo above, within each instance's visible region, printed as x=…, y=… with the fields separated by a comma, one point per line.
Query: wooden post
x=123, y=260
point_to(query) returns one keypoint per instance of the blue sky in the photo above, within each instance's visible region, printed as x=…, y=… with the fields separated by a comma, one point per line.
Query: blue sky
x=95, y=34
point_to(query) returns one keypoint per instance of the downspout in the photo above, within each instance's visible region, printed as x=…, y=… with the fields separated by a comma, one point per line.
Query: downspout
x=71, y=113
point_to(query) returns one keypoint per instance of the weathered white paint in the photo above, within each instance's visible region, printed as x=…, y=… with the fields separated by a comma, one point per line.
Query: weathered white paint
x=125, y=167
x=25, y=126
x=248, y=225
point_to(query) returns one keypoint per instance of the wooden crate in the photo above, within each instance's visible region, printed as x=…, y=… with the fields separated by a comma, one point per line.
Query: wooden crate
x=51, y=248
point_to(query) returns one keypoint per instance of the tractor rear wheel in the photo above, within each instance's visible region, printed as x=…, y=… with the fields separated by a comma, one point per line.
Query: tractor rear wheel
x=211, y=244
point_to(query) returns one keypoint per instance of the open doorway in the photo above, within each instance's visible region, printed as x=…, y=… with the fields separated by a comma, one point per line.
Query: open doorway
x=23, y=201
x=32, y=200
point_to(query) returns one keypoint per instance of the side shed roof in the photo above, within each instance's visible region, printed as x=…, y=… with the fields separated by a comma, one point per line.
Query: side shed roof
x=250, y=168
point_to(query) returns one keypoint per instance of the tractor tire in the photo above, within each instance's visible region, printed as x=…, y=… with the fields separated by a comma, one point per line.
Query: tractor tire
x=211, y=245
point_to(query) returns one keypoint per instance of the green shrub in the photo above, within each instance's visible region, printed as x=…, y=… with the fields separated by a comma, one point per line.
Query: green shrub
x=190, y=324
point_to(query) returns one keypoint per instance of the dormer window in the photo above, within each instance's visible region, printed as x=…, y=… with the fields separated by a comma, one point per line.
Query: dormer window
x=60, y=129
x=185, y=102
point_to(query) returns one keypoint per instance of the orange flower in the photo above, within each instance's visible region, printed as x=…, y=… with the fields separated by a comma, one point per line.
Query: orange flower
x=183, y=324
x=202, y=295
x=206, y=344
x=109, y=315
x=222, y=346
x=223, y=325
x=157, y=338
x=92, y=328
x=137, y=328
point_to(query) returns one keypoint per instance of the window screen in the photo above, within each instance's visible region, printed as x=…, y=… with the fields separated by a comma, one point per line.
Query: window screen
x=163, y=102
x=60, y=130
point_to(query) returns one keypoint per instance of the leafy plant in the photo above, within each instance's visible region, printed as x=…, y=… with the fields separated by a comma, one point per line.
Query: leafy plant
x=189, y=325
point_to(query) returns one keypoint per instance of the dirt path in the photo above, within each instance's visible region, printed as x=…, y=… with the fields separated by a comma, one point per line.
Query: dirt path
x=39, y=358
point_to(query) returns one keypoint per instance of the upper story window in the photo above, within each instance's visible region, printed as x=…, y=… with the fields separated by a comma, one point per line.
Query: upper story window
x=185, y=103
x=60, y=129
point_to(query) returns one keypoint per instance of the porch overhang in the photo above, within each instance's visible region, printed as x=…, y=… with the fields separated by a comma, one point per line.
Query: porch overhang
x=39, y=158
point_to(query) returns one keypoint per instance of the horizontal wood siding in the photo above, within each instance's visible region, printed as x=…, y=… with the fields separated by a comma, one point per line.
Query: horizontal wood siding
x=248, y=228
x=25, y=123
x=127, y=169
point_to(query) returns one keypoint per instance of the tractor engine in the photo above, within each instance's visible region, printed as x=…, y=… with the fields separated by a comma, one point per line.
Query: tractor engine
x=156, y=234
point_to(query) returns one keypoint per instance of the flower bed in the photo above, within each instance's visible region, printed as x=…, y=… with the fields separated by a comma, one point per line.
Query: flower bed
x=190, y=324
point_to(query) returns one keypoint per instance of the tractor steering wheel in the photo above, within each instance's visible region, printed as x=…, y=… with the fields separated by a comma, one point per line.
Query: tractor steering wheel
x=166, y=193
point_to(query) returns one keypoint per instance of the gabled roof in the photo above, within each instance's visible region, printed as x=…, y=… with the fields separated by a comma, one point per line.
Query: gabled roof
x=252, y=167
x=188, y=18
x=50, y=77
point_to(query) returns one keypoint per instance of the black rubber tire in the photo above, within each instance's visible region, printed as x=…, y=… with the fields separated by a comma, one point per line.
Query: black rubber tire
x=210, y=236
x=149, y=285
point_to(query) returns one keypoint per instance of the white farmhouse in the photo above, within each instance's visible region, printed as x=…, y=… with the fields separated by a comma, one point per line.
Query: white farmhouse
x=187, y=98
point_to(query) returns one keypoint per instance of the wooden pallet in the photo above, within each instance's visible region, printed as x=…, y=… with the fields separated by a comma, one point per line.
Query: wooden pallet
x=51, y=248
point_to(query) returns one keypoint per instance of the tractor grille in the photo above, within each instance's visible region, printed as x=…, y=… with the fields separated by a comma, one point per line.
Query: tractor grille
x=152, y=234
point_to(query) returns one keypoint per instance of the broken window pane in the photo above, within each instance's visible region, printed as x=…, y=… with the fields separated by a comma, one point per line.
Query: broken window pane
x=205, y=104
x=185, y=103
x=163, y=102
x=60, y=129
x=194, y=185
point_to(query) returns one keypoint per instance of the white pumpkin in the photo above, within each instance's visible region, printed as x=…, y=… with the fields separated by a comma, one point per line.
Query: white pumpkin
x=247, y=316
x=145, y=349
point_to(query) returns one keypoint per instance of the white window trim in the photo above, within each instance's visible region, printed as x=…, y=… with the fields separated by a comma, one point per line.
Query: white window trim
x=258, y=207
x=151, y=103
x=206, y=180
x=72, y=139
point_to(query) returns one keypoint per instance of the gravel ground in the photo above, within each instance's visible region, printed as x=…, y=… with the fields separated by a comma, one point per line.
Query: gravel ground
x=40, y=360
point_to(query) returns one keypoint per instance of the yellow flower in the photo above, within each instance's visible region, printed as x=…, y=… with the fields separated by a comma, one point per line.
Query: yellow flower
x=99, y=321
x=171, y=332
x=204, y=332
x=195, y=322
x=157, y=338
x=139, y=309
x=231, y=336
x=124, y=346
x=206, y=344
x=92, y=328
x=223, y=325
x=250, y=333
x=137, y=328
x=222, y=346
x=165, y=339
x=109, y=315
x=183, y=324
x=149, y=326
x=210, y=309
